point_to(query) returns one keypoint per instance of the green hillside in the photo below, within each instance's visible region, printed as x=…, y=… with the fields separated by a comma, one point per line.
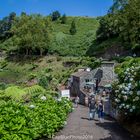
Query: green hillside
x=65, y=44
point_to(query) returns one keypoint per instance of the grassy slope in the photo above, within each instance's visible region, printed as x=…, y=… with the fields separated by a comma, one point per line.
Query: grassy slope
x=76, y=44
x=20, y=72
x=83, y=42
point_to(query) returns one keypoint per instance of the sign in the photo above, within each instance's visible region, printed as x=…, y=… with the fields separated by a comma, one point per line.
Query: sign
x=65, y=93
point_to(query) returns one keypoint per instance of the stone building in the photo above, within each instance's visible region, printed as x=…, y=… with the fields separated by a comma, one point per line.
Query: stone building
x=86, y=82
x=83, y=83
x=108, y=73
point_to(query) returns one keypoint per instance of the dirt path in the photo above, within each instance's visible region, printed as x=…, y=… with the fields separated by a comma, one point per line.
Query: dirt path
x=80, y=128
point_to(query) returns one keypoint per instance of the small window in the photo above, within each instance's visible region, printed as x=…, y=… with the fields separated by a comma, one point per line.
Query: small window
x=86, y=80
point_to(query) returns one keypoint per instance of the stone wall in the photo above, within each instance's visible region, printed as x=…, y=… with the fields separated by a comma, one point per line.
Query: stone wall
x=75, y=86
x=108, y=71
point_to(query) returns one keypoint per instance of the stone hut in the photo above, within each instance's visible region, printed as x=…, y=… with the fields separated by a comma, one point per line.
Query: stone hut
x=86, y=82
x=82, y=84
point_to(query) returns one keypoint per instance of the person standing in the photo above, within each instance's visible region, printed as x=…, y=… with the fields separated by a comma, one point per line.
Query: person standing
x=92, y=108
x=100, y=111
x=76, y=101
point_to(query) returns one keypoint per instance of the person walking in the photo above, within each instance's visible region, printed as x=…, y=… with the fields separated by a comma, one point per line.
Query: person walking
x=76, y=101
x=100, y=111
x=92, y=108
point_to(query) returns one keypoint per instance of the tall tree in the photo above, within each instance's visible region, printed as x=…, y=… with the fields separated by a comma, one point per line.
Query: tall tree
x=31, y=33
x=5, y=26
x=123, y=23
x=63, y=19
x=23, y=14
x=73, y=28
x=117, y=5
x=55, y=15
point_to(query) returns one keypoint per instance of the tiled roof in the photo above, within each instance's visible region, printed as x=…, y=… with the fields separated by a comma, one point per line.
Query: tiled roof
x=80, y=73
x=104, y=82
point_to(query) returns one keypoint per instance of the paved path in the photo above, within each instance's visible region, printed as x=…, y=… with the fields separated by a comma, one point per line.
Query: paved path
x=80, y=128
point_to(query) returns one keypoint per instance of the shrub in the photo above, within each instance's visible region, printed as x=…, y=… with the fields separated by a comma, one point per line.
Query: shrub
x=32, y=121
x=47, y=70
x=34, y=89
x=33, y=66
x=15, y=92
x=127, y=90
x=2, y=86
x=3, y=64
x=44, y=80
x=32, y=76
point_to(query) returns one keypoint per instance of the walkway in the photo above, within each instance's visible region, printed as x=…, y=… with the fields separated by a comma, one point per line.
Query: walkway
x=80, y=128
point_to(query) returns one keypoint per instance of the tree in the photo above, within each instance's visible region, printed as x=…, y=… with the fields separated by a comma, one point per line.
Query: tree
x=5, y=26
x=123, y=23
x=23, y=14
x=63, y=19
x=117, y=5
x=31, y=34
x=73, y=28
x=130, y=20
x=55, y=15
x=108, y=28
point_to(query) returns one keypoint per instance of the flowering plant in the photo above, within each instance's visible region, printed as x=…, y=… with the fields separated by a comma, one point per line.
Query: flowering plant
x=127, y=90
x=41, y=117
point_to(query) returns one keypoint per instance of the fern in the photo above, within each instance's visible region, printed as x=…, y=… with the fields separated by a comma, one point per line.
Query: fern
x=34, y=89
x=15, y=92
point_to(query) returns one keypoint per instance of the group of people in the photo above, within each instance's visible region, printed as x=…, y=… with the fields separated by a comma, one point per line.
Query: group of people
x=96, y=106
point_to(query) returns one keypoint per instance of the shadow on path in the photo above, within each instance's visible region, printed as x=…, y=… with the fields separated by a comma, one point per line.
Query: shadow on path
x=79, y=125
x=116, y=131
x=84, y=118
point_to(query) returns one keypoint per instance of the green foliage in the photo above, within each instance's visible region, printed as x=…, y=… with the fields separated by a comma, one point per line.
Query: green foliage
x=107, y=46
x=44, y=78
x=63, y=19
x=34, y=34
x=126, y=91
x=2, y=86
x=123, y=22
x=117, y=5
x=32, y=76
x=55, y=15
x=15, y=92
x=31, y=34
x=34, y=120
x=33, y=66
x=109, y=27
x=73, y=28
x=21, y=94
x=34, y=89
x=91, y=62
x=5, y=26
x=3, y=64
x=59, y=44
x=64, y=44
x=127, y=62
